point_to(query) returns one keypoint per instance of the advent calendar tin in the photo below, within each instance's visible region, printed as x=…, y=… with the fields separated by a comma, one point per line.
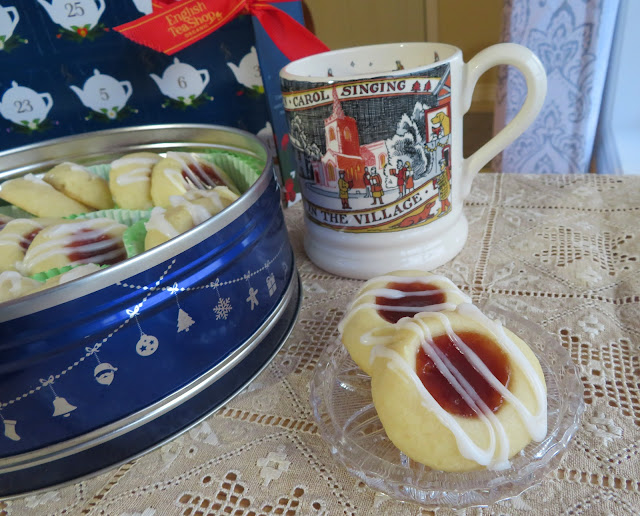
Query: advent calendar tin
x=103, y=368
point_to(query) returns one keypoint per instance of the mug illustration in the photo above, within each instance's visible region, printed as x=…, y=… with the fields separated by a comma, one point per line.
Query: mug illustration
x=25, y=107
x=183, y=84
x=104, y=95
x=247, y=72
x=78, y=19
x=374, y=155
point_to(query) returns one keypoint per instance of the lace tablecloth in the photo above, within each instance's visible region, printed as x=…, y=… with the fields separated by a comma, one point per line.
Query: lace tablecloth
x=565, y=250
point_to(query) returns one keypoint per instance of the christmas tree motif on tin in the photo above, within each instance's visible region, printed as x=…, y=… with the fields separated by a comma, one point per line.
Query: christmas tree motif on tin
x=105, y=96
x=184, y=319
x=223, y=307
x=247, y=73
x=9, y=18
x=9, y=428
x=61, y=407
x=104, y=371
x=26, y=108
x=78, y=20
x=147, y=344
x=183, y=85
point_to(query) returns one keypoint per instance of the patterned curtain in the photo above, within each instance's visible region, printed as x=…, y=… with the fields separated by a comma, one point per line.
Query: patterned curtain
x=573, y=40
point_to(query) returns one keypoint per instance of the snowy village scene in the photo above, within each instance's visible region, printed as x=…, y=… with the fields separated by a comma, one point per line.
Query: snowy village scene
x=374, y=155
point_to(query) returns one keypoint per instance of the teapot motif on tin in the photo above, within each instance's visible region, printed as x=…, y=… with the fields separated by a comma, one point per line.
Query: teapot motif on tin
x=9, y=18
x=182, y=82
x=76, y=14
x=104, y=94
x=248, y=71
x=24, y=106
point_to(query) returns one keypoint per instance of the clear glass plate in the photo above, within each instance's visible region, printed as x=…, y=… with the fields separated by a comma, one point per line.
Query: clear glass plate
x=348, y=422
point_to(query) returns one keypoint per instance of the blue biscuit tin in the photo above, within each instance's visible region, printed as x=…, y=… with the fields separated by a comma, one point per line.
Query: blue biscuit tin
x=100, y=369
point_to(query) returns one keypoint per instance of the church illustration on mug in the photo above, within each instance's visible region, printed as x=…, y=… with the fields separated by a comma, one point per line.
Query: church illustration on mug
x=347, y=163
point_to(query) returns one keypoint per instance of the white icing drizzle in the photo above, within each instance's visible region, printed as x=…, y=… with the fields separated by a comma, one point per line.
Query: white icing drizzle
x=16, y=281
x=159, y=222
x=77, y=168
x=535, y=423
x=212, y=195
x=201, y=179
x=9, y=236
x=140, y=173
x=36, y=179
x=198, y=213
x=174, y=175
x=448, y=287
x=60, y=236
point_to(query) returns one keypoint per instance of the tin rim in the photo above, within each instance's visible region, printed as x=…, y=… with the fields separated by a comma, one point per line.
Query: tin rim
x=106, y=145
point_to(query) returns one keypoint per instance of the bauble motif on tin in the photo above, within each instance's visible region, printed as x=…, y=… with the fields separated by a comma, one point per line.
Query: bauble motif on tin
x=146, y=345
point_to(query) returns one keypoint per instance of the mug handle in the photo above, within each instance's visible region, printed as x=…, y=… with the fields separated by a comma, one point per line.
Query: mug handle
x=531, y=67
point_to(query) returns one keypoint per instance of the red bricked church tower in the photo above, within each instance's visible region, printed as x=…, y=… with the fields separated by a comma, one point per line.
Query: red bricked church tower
x=343, y=147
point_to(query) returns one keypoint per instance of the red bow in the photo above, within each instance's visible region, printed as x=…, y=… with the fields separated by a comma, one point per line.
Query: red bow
x=175, y=25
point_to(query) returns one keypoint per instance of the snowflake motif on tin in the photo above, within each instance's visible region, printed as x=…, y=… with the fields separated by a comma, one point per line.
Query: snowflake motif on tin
x=273, y=466
x=271, y=284
x=603, y=428
x=223, y=308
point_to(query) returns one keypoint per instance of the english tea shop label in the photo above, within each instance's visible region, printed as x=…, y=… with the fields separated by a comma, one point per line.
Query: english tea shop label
x=373, y=155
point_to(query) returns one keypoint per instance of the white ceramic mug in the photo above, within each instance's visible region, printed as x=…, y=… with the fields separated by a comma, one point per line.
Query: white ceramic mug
x=377, y=133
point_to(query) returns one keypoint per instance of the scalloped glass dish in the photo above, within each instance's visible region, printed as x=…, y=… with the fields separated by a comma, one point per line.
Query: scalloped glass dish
x=348, y=422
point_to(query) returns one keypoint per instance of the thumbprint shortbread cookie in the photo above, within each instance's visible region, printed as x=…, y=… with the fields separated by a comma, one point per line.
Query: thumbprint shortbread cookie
x=457, y=392
x=384, y=301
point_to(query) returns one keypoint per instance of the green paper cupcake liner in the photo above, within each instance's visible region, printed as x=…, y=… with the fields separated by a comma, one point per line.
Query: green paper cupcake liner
x=133, y=238
x=101, y=170
x=242, y=169
x=13, y=211
x=45, y=275
x=127, y=217
x=52, y=273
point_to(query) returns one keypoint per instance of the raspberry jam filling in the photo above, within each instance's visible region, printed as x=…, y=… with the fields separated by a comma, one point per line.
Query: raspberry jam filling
x=425, y=295
x=204, y=172
x=28, y=238
x=440, y=388
x=101, y=248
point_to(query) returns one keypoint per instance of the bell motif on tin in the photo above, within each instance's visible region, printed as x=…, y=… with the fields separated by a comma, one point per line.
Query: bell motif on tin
x=62, y=407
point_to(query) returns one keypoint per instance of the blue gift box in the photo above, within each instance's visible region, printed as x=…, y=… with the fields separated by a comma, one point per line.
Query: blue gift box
x=63, y=71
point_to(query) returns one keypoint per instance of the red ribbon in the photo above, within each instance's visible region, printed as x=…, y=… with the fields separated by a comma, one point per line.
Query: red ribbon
x=172, y=27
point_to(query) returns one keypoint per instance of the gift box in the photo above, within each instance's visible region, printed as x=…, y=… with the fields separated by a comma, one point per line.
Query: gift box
x=64, y=70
